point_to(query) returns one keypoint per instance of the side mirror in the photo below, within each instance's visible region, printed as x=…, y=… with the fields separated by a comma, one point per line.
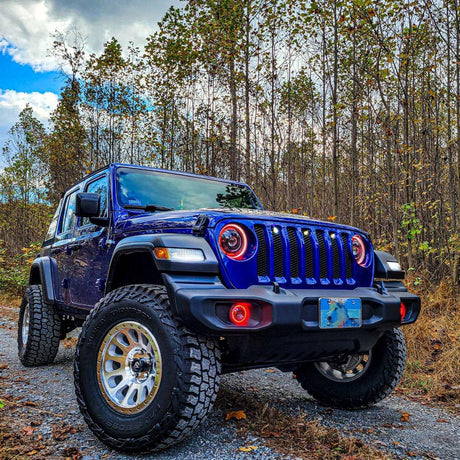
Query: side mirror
x=87, y=205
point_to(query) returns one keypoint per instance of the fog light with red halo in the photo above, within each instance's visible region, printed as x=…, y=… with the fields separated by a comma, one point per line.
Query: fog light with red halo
x=359, y=250
x=233, y=241
x=402, y=311
x=240, y=313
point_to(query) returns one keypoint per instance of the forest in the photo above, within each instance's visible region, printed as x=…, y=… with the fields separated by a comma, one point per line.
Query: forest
x=343, y=110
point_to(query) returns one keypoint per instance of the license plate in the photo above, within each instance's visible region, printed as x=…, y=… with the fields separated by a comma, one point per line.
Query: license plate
x=337, y=312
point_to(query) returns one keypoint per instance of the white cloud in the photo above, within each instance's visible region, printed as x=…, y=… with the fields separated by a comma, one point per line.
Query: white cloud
x=41, y=103
x=26, y=26
x=12, y=102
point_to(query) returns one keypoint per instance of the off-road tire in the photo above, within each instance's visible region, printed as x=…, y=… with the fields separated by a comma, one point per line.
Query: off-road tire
x=376, y=383
x=42, y=343
x=189, y=382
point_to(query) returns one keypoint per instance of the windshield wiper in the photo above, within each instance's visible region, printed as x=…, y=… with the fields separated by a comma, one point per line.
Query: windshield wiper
x=148, y=207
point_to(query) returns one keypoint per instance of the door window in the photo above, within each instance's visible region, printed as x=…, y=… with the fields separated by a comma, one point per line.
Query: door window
x=49, y=238
x=98, y=186
x=68, y=217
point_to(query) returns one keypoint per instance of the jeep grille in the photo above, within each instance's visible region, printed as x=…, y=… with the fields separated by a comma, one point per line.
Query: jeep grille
x=315, y=255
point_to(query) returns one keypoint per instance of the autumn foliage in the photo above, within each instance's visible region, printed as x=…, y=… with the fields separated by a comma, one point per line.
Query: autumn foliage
x=344, y=110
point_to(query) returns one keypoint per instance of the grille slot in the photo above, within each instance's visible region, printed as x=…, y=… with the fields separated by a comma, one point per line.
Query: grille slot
x=262, y=255
x=348, y=257
x=293, y=252
x=336, y=261
x=322, y=254
x=278, y=254
x=309, y=267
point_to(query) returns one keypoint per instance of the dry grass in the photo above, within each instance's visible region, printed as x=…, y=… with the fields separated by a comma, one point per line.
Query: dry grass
x=433, y=342
x=293, y=434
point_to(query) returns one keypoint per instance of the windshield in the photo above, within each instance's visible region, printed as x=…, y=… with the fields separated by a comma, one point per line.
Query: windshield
x=139, y=188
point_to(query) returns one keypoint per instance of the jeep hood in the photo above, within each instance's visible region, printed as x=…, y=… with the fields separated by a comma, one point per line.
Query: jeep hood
x=175, y=220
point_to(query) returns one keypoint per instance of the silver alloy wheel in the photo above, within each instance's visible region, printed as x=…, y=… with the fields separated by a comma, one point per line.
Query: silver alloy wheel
x=129, y=367
x=25, y=324
x=350, y=369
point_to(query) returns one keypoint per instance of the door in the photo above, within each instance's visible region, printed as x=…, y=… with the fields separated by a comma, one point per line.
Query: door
x=90, y=254
x=61, y=249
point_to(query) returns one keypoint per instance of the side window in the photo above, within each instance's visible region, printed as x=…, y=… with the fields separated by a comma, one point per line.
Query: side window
x=68, y=216
x=98, y=186
x=52, y=228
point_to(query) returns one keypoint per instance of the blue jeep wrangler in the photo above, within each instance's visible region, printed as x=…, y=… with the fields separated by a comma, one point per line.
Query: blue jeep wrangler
x=177, y=278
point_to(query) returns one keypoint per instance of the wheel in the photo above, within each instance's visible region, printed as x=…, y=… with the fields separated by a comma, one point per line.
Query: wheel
x=358, y=380
x=143, y=381
x=39, y=329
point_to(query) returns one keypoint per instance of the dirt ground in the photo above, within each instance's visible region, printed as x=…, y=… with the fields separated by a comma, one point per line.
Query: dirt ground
x=40, y=417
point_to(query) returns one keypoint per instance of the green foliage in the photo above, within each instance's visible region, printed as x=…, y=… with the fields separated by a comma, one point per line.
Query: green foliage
x=410, y=222
x=14, y=271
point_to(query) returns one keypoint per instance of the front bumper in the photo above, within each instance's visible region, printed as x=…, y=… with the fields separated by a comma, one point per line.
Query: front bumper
x=201, y=302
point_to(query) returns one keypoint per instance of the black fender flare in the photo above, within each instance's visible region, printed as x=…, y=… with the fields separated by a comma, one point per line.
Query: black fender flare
x=383, y=270
x=147, y=243
x=44, y=267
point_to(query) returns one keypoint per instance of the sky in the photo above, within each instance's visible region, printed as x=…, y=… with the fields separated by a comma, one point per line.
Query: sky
x=28, y=74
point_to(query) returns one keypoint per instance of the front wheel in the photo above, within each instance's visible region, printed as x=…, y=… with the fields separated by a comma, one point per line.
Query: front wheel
x=143, y=381
x=359, y=380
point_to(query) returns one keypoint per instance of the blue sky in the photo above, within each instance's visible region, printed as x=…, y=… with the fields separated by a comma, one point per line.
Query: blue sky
x=22, y=77
x=30, y=75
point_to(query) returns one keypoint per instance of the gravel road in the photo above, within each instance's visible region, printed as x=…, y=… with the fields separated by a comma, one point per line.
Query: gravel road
x=429, y=433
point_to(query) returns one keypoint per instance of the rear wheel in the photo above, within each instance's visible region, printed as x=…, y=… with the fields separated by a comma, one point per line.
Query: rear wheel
x=358, y=380
x=143, y=381
x=39, y=329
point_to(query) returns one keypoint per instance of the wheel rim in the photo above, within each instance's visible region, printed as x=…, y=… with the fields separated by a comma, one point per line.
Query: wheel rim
x=350, y=368
x=129, y=367
x=25, y=324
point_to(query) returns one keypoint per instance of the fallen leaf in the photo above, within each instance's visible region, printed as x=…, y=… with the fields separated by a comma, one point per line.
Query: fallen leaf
x=61, y=432
x=405, y=417
x=442, y=420
x=411, y=454
x=396, y=443
x=28, y=430
x=247, y=448
x=72, y=453
x=3, y=366
x=237, y=415
x=32, y=452
x=380, y=443
x=70, y=342
x=30, y=404
x=371, y=430
x=270, y=370
x=271, y=434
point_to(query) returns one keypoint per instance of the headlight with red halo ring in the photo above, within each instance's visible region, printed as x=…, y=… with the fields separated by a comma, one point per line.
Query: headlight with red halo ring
x=359, y=249
x=233, y=241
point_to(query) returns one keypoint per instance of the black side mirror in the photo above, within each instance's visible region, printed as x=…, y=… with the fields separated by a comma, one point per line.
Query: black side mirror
x=87, y=205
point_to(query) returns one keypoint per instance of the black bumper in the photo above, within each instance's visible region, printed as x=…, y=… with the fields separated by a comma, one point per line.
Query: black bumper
x=203, y=305
x=291, y=335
